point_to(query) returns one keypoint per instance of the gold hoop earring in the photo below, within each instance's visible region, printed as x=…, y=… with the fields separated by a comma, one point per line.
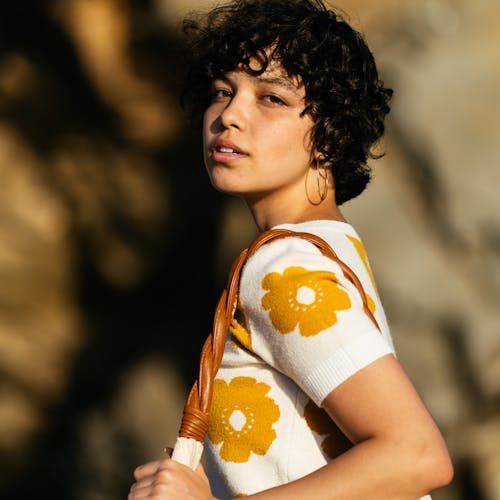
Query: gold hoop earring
x=322, y=193
x=321, y=183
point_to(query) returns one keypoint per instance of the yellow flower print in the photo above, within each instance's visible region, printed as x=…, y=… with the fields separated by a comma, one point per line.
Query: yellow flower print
x=242, y=418
x=364, y=257
x=335, y=443
x=240, y=335
x=307, y=298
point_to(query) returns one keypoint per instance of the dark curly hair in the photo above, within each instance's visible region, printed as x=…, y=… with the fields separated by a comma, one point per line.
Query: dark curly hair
x=343, y=92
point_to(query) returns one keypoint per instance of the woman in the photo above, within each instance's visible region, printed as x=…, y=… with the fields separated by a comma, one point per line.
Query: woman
x=310, y=400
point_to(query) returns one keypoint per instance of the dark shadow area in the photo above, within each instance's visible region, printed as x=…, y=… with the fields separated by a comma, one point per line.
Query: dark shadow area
x=167, y=311
x=468, y=484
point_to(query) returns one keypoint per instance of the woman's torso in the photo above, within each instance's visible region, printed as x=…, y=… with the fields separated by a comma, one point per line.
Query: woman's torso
x=287, y=349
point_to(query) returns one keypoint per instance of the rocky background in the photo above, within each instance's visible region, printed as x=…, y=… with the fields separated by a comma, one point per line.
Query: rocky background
x=113, y=247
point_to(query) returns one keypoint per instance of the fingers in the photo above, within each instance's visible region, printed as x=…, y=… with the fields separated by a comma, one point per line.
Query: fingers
x=168, y=479
x=158, y=489
x=151, y=478
x=151, y=467
x=140, y=490
x=154, y=468
x=147, y=469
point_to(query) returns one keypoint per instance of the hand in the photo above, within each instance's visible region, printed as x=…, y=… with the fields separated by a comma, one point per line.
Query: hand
x=167, y=479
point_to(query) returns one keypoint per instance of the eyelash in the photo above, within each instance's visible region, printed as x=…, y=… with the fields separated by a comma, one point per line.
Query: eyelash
x=274, y=99
x=218, y=94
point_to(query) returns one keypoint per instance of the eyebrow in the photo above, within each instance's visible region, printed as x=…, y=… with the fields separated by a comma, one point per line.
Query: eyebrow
x=278, y=80
x=271, y=80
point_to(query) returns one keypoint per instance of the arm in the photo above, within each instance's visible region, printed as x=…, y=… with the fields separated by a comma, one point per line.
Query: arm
x=399, y=452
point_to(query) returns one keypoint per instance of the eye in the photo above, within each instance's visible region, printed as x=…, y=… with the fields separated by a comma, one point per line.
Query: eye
x=273, y=99
x=220, y=94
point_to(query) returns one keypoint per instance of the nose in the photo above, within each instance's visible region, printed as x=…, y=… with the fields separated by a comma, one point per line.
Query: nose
x=234, y=113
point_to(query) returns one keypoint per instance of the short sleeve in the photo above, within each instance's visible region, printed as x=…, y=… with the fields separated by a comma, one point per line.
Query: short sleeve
x=305, y=318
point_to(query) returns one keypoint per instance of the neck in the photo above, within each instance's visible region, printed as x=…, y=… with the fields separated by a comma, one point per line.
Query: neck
x=268, y=213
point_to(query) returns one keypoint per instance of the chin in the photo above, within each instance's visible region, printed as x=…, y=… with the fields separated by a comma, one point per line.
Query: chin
x=230, y=192
x=224, y=185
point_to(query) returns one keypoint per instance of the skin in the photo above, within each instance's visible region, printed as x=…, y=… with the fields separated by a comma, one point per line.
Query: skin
x=276, y=176
x=399, y=452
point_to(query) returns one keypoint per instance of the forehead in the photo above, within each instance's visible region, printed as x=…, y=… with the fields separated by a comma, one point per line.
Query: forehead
x=275, y=74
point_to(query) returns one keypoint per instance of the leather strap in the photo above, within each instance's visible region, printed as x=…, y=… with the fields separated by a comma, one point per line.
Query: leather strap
x=194, y=422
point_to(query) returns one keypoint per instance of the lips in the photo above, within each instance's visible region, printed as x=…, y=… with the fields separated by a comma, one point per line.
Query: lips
x=223, y=150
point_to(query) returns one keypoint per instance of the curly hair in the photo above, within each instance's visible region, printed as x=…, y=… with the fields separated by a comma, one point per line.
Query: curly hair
x=343, y=93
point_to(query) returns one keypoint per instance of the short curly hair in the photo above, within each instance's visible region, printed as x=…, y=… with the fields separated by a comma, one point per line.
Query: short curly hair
x=343, y=93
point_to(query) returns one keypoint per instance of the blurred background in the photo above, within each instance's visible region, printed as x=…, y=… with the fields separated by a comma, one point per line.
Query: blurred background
x=114, y=248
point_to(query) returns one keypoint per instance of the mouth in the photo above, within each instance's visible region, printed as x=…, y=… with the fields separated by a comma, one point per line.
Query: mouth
x=223, y=150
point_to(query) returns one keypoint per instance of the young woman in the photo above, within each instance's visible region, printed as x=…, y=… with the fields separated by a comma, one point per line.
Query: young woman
x=310, y=401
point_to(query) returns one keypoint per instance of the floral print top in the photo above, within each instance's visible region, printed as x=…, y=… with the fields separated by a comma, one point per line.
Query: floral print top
x=299, y=331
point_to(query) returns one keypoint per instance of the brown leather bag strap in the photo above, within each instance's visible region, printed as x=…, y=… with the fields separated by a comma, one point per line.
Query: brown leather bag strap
x=194, y=422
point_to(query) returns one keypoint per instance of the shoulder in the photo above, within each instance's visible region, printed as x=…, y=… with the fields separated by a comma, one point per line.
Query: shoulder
x=294, y=261
x=302, y=246
x=300, y=269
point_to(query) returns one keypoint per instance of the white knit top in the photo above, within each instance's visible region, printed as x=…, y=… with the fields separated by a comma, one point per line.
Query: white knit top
x=300, y=332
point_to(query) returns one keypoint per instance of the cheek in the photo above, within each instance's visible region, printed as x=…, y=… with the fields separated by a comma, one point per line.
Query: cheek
x=294, y=141
x=206, y=127
x=307, y=134
x=207, y=136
